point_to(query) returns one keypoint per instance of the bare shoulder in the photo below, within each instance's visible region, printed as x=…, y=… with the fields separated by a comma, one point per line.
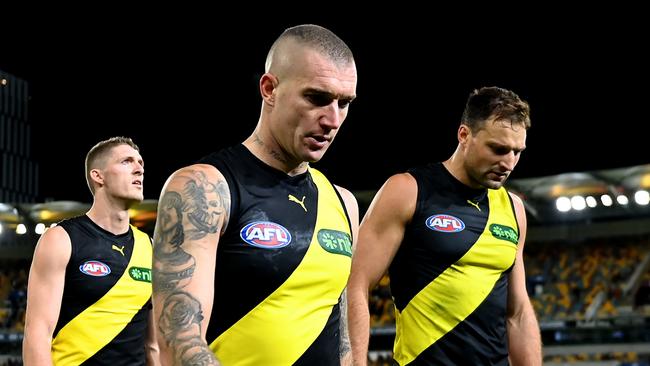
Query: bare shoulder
x=518, y=203
x=205, y=171
x=395, y=201
x=55, y=234
x=56, y=238
x=401, y=181
x=351, y=206
x=347, y=196
x=399, y=191
x=522, y=221
x=54, y=246
x=198, y=182
x=201, y=190
x=516, y=199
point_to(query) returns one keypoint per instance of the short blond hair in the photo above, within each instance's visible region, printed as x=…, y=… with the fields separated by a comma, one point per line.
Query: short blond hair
x=98, y=152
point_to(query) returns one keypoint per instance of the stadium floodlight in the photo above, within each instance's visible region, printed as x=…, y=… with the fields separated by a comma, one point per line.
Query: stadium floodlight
x=591, y=201
x=642, y=197
x=21, y=229
x=563, y=204
x=40, y=228
x=622, y=200
x=578, y=203
x=606, y=200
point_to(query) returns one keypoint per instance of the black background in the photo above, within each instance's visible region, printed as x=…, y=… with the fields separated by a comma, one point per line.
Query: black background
x=183, y=84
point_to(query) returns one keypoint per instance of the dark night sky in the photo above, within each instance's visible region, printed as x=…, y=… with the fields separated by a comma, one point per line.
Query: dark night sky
x=195, y=87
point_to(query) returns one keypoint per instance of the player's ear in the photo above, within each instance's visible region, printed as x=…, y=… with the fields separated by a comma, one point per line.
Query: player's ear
x=464, y=133
x=268, y=83
x=97, y=176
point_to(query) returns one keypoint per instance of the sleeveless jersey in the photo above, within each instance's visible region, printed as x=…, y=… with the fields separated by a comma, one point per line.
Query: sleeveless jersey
x=449, y=278
x=106, y=298
x=282, y=265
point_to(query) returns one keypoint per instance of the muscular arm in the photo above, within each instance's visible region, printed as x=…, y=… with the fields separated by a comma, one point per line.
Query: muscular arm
x=44, y=295
x=353, y=212
x=380, y=235
x=525, y=346
x=192, y=211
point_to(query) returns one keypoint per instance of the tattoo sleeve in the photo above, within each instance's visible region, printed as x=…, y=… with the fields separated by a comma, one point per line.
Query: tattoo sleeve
x=198, y=209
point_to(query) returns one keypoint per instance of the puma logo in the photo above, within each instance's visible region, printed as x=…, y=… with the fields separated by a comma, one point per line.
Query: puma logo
x=293, y=198
x=121, y=250
x=474, y=204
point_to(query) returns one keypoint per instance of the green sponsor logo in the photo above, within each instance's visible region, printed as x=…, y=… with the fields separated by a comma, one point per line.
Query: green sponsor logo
x=336, y=242
x=504, y=233
x=140, y=274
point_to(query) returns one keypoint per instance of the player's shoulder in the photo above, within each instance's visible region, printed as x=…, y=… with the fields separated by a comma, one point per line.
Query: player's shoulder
x=55, y=242
x=195, y=172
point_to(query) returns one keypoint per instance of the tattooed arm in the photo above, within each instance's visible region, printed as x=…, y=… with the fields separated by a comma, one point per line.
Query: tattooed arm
x=192, y=213
x=352, y=208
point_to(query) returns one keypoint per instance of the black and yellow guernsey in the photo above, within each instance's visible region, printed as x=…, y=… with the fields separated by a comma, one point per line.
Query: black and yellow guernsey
x=106, y=298
x=282, y=265
x=449, y=278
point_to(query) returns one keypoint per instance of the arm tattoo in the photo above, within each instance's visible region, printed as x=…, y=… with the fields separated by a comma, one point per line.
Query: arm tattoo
x=344, y=346
x=180, y=325
x=173, y=267
x=191, y=214
x=206, y=202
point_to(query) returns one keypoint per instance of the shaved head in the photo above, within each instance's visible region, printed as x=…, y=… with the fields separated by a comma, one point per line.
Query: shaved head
x=295, y=41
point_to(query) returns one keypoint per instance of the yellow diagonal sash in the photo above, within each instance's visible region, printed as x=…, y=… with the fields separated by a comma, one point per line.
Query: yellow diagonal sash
x=283, y=326
x=459, y=290
x=101, y=322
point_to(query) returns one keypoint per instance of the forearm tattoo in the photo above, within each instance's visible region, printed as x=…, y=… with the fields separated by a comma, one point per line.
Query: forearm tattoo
x=185, y=216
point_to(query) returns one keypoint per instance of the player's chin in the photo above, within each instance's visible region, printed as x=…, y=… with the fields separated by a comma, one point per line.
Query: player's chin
x=493, y=184
x=494, y=180
x=136, y=197
x=313, y=156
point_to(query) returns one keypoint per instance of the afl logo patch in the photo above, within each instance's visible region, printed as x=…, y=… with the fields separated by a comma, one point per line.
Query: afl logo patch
x=95, y=269
x=265, y=234
x=445, y=223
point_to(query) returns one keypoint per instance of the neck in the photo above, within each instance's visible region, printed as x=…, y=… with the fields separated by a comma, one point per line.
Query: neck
x=455, y=167
x=109, y=215
x=272, y=155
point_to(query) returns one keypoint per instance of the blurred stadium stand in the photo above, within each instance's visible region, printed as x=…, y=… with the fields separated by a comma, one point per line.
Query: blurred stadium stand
x=587, y=259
